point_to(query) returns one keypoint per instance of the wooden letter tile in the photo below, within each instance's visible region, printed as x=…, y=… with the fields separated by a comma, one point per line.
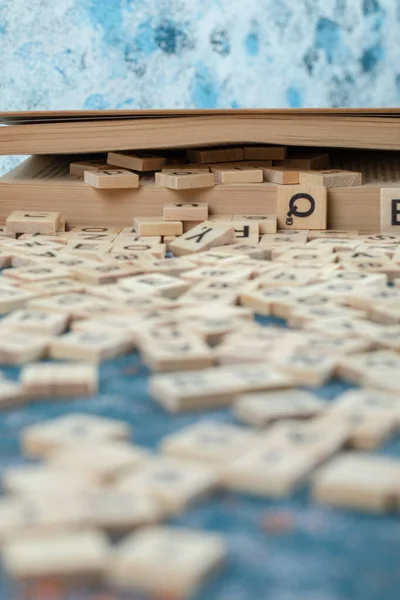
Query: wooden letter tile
x=358, y=481
x=215, y=155
x=281, y=175
x=302, y=207
x=331, y=178
x=237, y=173
x=79, y=555
x=186, y=211
x=90, y=346
x=44, y=380
x=114, y=179
x=390, y=210
x=139, y=562
x=204, y=236
x=156, y=226
x=33, y=222
x=137, y=161
x=184, y=179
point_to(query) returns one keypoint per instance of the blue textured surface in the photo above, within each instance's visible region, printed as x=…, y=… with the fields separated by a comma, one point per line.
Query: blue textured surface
x=322, y=554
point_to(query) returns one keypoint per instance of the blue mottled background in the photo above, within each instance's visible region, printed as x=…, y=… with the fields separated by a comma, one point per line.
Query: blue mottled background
x=74, y=54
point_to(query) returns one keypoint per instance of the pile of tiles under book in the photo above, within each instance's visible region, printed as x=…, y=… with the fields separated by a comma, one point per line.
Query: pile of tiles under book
x=86, y=295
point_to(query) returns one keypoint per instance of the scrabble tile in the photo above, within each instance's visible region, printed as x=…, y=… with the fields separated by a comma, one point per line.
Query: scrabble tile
x=44, y=438
x=5, y=258
x=215, y=155
x=236, y=173
x=121, y=512
x=173, y=482
x=90, y=346
x=156, y=226
x=268, y=470
x=137, y=161
x=35, y=480
x=12, y=394
x=101, y=462
x=371, y=402
x=33, y=222
x=18, y=348
x=87, y=249
x=390, y=210
x=182, y=391
x=225, y=292
x=333, y=233
x=270, y=301
x=184, y=179
x=330, y=178
x=138, y=250
x=365, y=365
x=203, y=237
x=368, y=431
x=6, y=234
x=76, y=236
x=65, y=555
x=285, y=236
x=139, y=561
x=74, y=305
x=209, y=442
x=38, y=273
x=309, y=367
x=114, y=179
x=187, y=351
x=48, y=380
x=358, y=481
x=306, y=160
x=245, y=247
x=36, y=321
x=40, y=513
x=165, y=285
x=104, y=273
x=260, y=409
x=264, y=152
x=13, y=298
x=246, y=231
x=281, y=175
x=266, y=223
x=182, y=166
x=186, y=211
x=302, y=207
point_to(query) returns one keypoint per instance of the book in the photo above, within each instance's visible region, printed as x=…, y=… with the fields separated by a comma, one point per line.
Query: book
x=103, y=131
x=42, y=182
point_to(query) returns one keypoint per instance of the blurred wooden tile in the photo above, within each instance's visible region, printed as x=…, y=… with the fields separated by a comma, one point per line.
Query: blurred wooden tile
x=264, y=152
x=285, y=236
x=209, y=442
x=36, y=321
x=11, y=394
x=102, y=462
x=186, y=211
x=37, y=273
x=121, y=512
x=174, y=482
x=139, y=561
x=215, y=155
x=34, y=480
x=302, y=207
x=331, y=178
x=65, y=555
x=185, y=179
x=185, y=352
x=90, y=346
x=137, y=161
x=75, y=305
x=185, y=391
x=114, y=179
x=260, y=409
x=306, y=160
x=281, y=175
x=13, y=298
x=104, y=273
x=48, y=380
x=44, y=438
x=266, y=223
x=236, y=173
x=19, y=348
x=33, y=222
x=156, y=226
x=358, y=481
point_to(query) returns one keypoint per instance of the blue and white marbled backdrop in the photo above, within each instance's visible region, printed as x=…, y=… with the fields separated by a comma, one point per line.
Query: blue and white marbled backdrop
x=74, y=54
